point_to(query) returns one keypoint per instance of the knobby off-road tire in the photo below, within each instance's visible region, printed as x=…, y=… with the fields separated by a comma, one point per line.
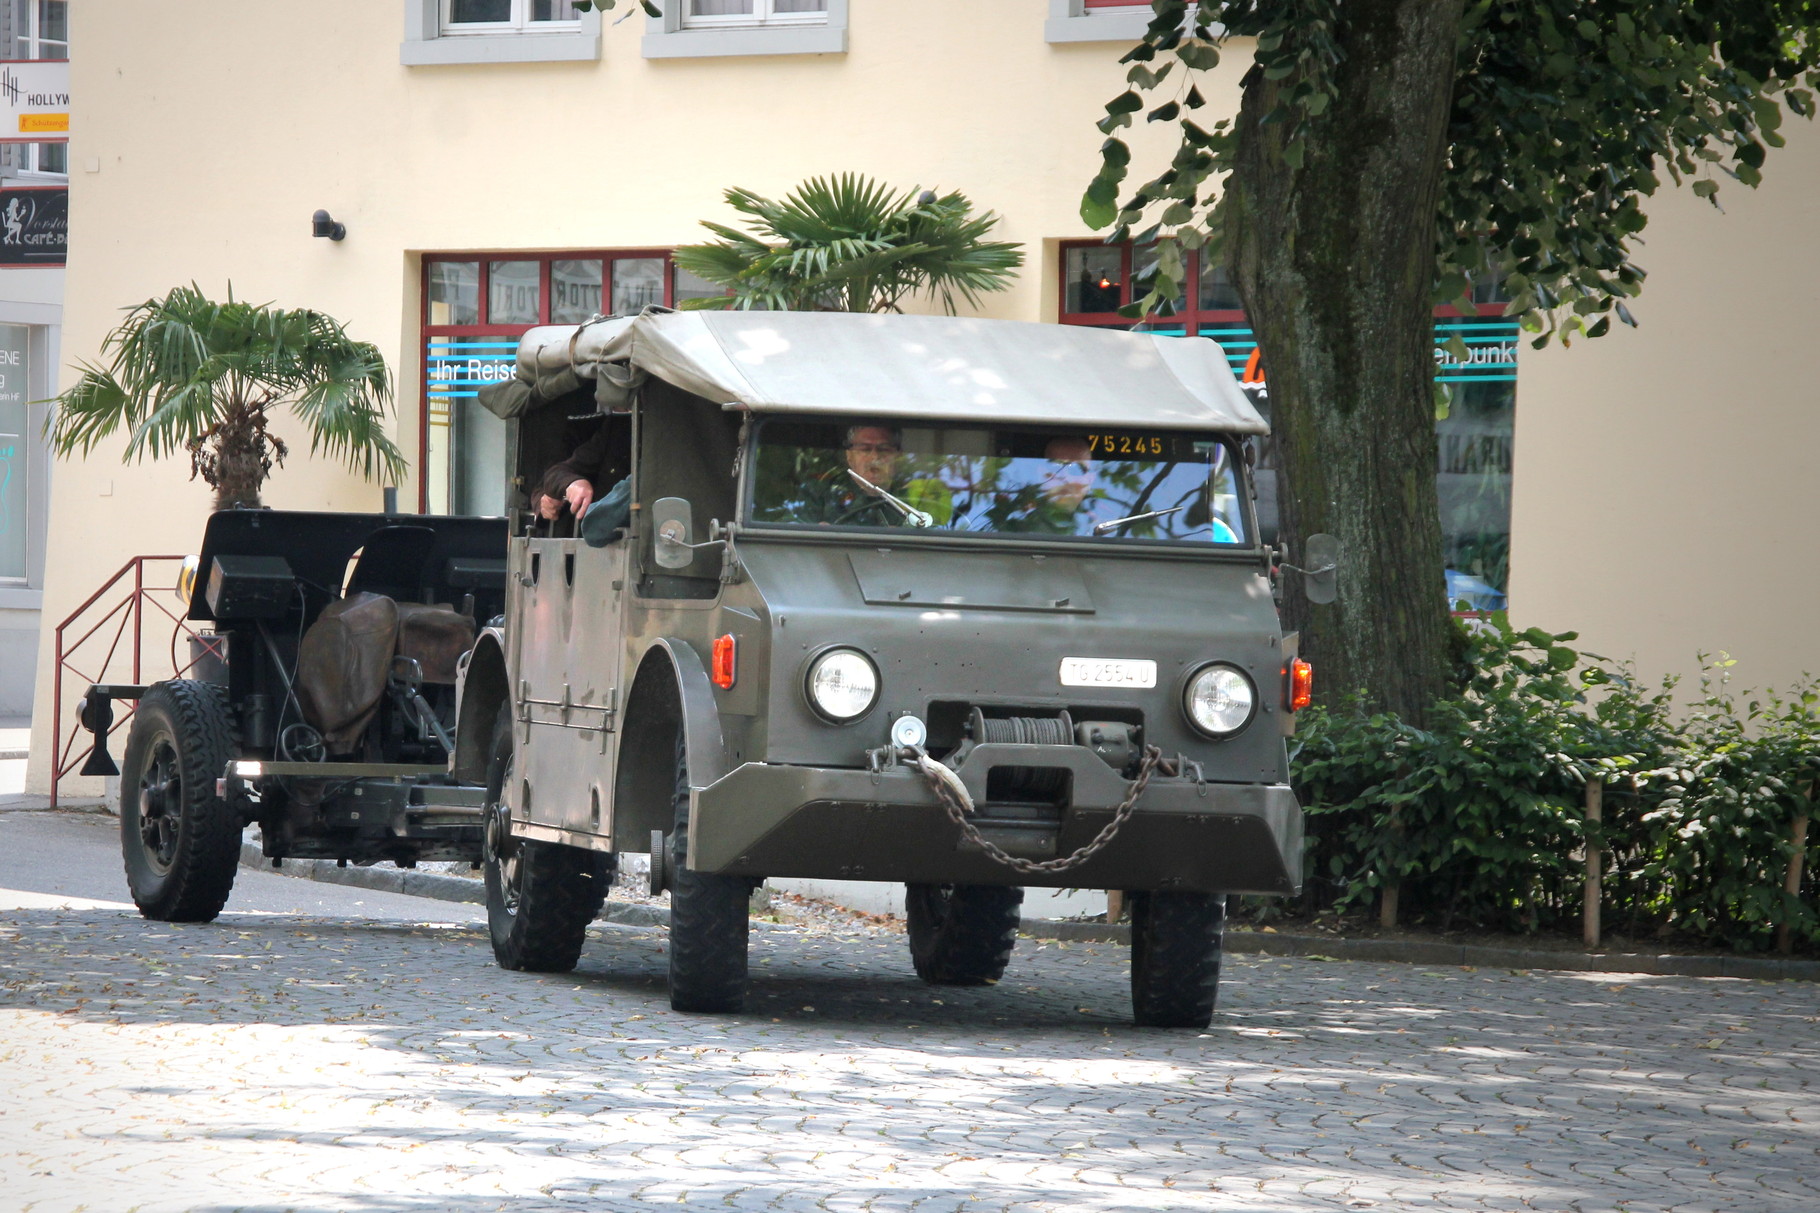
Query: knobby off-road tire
x=540, y=896
x=709, y=919
x=961, y=934
x=180, y=841
x=1175, y=957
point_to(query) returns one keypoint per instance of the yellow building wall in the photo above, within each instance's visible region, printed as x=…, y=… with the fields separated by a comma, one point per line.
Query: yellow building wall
x=1658, y=503
x=1664, y=498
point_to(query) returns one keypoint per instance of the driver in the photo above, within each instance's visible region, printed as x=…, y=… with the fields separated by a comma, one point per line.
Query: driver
x=868, y=487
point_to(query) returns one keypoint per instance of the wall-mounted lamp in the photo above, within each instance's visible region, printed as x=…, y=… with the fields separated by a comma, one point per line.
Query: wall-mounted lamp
x=323, y=224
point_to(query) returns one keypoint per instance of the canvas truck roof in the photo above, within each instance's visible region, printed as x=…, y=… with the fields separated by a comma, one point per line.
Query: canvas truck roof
x=911, y=367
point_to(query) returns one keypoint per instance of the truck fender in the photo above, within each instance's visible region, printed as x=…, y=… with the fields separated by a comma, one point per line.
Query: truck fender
x=700, y=715
x=671, y=682
x=482, y=691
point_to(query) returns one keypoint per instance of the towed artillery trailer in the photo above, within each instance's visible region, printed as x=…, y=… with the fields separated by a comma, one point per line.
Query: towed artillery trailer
x=321, y=708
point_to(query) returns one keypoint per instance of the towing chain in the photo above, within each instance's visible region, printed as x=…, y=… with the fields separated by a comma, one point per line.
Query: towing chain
x=954, y=798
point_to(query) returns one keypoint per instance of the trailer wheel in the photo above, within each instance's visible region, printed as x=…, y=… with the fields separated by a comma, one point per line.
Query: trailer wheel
x=1175, y=957
x=180, y=841
x=540, y=896
x=961, y=934
x=709, y=919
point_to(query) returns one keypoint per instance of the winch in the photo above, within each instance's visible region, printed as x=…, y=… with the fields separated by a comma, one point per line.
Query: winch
x=1118, y=743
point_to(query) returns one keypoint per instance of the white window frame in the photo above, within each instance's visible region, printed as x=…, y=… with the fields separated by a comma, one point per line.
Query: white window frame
x=675, y=36
x=429, y=41
x=1073, y=21
x=763, y=14
x=518, y=23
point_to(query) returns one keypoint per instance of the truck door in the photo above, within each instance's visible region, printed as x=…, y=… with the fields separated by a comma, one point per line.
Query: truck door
x=566, y=640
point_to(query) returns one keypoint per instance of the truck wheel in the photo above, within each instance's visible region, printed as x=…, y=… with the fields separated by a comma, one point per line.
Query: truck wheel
x=961, y=934
x=540, y=896
x=1175, y=957
x=709, y=919
x=181, y=842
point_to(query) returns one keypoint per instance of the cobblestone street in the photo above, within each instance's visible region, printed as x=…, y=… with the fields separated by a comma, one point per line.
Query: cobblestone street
x=333, y=1061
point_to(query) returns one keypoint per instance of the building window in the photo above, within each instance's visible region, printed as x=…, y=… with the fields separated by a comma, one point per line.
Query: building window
x=503, y=16
x=497, y=31
x=694, y=28
x=1474, y=476
x=35, y=29
x=1097, y=20
x=475, y=308
x=722, y=14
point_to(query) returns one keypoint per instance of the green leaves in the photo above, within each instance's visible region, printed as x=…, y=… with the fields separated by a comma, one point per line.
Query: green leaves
x=850, y=243
x=180, y=369
x=1478, y=818
x=1565, y=116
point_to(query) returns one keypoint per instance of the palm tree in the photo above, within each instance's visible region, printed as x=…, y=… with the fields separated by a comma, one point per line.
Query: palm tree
x=187, y=372
x=851, y=244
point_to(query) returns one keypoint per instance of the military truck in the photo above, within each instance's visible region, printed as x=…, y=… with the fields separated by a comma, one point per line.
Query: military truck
x=969, y=605
x=323, y=706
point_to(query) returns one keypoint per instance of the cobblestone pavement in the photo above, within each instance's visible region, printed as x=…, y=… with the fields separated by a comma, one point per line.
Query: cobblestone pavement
x=277, y=1061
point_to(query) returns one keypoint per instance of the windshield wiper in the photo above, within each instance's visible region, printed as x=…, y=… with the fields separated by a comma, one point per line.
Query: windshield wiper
x=912, y=515
x=1100, y=528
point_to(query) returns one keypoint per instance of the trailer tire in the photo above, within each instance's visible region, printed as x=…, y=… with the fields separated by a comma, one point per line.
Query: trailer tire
x=540, y=896
x=961, y=935
x=1175, y=957
x=709, y=918
x=180, y=841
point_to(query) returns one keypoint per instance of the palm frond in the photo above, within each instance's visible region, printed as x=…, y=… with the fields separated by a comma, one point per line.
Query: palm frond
x=849, y=241
x=179, y=370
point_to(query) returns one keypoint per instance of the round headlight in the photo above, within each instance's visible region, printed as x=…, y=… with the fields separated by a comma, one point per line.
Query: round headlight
x=842, y=685
x=1220, y=700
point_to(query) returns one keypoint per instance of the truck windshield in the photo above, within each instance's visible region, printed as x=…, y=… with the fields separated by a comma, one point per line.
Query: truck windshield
x=1109, y=485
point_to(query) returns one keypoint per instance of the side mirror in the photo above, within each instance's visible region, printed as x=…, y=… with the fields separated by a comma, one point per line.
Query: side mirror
x=1321, y=576
x=671, y=519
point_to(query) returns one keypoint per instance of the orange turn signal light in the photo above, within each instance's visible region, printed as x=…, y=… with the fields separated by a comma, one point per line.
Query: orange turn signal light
x=1301, y=685
x=722, y=673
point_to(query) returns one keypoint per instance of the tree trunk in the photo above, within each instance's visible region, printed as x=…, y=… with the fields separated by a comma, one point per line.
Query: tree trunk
x=1350, y=360
x=240, y=466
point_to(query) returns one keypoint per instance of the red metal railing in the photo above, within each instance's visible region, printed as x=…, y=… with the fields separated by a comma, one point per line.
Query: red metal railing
x=114, y=618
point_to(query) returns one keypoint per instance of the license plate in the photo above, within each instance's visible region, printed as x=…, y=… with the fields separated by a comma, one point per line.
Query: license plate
x=1108, y=672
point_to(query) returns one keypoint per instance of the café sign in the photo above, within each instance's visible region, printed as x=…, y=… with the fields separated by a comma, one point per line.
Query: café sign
x=34, y=226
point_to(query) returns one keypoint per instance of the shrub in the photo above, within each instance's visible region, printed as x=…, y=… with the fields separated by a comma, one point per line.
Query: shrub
x=1479, y=819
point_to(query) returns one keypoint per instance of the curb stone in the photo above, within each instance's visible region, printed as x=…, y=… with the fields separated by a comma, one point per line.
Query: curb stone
x=433, y=885
x=1436, y=952
x=1426, y=952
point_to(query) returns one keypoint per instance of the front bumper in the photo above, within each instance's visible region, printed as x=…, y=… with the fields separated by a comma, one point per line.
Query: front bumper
x=841, y=824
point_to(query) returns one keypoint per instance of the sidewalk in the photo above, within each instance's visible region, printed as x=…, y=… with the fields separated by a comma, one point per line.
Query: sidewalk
x=15, y=745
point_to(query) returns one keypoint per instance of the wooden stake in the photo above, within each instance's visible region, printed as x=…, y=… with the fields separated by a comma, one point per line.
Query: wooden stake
x=1595, y=862
x=1115, y=905
x=1791, y=883
x=1387, y=906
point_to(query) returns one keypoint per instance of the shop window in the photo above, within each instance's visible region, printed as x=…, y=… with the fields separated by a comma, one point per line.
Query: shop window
x=497, y=31
x=575, y=289
x=685, y=285
x=514, y=292
x=689, y=28
x=1473, y=478
x=638, y=283
x=475, y=308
